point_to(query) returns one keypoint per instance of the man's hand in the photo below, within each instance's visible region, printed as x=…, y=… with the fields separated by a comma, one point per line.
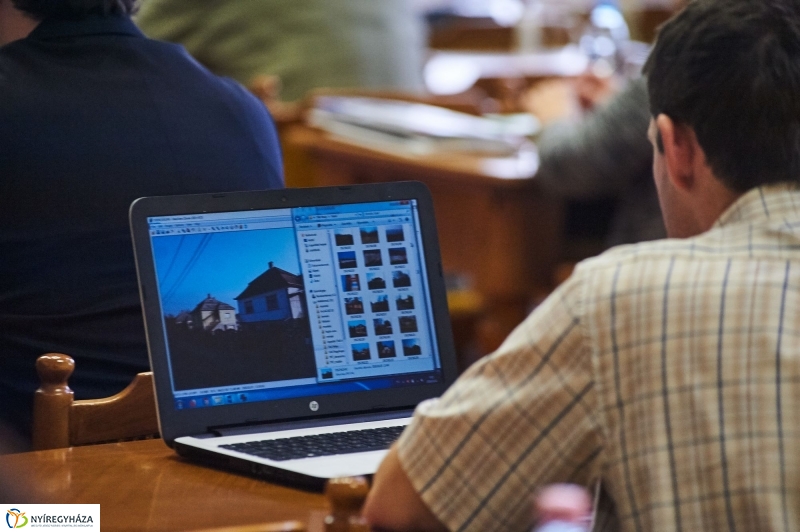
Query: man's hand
x=592, y=90
x=394, y=504
x=551, y=100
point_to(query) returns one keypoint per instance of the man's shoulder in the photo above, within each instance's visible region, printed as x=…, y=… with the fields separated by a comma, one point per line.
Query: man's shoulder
x=185, y=118
x=201, y=97
x=174, y=58
x=131, y=65
x=640, y=253
x=648, y=262
x=654, y=263
x=762, y=240
x=176, y=62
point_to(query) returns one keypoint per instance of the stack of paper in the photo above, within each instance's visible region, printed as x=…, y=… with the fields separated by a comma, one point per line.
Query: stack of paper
x=415, y=128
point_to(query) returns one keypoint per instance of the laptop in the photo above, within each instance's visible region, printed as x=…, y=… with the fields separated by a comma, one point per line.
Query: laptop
x=291, y=333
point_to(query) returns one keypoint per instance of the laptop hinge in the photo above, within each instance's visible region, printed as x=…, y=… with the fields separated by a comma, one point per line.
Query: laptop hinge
x=305, y=423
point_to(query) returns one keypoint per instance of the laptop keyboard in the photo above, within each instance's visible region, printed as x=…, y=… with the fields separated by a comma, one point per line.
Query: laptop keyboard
x=354, y=441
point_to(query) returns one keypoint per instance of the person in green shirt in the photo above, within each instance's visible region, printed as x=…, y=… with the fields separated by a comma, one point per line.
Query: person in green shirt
x=306, y=43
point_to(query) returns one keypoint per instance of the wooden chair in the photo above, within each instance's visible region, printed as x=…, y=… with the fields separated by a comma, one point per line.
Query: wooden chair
x=346, y=496
x=60, y=421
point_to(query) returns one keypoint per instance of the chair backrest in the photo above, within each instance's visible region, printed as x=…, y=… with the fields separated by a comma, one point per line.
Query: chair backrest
x=60, y=421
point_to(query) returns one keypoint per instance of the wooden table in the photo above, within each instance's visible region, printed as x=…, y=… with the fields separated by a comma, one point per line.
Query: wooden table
x=496, y=228
x=144, y=485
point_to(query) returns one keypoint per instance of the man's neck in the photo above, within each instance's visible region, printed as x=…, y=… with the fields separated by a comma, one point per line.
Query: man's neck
x=14, y=24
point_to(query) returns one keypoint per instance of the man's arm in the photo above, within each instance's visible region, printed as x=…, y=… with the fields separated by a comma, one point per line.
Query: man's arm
x=394, y=504
x=517, y=419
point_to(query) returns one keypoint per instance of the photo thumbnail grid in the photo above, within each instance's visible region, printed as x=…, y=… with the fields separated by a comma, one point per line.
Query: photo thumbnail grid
x=373, y=265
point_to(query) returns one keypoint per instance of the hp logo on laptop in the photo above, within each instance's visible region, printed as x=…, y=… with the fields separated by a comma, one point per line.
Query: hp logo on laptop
x=314, y=406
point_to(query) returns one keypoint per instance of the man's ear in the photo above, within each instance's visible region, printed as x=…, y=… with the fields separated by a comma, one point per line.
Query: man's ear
x=679, y=145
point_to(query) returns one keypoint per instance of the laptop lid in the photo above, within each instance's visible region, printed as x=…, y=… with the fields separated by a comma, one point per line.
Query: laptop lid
x=291, y=305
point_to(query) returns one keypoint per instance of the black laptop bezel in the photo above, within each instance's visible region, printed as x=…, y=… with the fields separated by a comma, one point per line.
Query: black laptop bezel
x=175, y=423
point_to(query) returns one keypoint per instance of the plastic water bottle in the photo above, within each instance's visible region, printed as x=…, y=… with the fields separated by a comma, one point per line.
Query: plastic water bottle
x=563, y=508
x=604, y=39
x=561, y=526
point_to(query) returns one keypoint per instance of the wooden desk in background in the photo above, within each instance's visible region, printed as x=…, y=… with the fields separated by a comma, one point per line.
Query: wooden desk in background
x=469, y=33
x=144, y=485
x=452, y=32
x=495, y=227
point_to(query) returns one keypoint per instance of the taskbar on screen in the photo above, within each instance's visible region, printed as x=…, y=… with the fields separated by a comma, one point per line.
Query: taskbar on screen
x=271, y=394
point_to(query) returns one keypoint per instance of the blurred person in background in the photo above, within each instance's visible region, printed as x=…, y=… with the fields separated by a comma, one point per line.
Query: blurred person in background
x=305, y=43
x=594, y=149
x=92, y=116
x=603, y=155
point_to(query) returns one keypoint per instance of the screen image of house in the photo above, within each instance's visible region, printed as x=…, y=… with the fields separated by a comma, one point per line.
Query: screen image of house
x=353, y=305
x=266, y=337
x=400, y=279
x=375, y=281
x=382, y=326
x=275, y=295
x=386, y=349
x=357, y=329
x=360, y=352
x=380, y=304
x=411, y=347
x=405, y=302
x=210, y=315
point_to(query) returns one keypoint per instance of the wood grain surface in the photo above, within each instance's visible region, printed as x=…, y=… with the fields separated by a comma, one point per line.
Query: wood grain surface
x=144, y=485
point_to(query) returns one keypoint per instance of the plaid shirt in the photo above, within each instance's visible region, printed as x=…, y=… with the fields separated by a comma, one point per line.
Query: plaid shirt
x=670, y=370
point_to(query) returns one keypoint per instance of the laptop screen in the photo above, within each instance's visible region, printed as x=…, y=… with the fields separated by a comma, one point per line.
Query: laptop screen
x=273, y=304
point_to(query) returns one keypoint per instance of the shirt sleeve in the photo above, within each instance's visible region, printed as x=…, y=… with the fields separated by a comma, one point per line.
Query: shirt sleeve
x=522, y=417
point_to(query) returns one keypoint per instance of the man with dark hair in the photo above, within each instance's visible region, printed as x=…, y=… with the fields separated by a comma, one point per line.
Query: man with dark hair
x=92, y=116
x=668, y=370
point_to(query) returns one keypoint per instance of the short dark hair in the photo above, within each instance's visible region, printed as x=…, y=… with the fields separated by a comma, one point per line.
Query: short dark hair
x=42, y=9
x=730, y=69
